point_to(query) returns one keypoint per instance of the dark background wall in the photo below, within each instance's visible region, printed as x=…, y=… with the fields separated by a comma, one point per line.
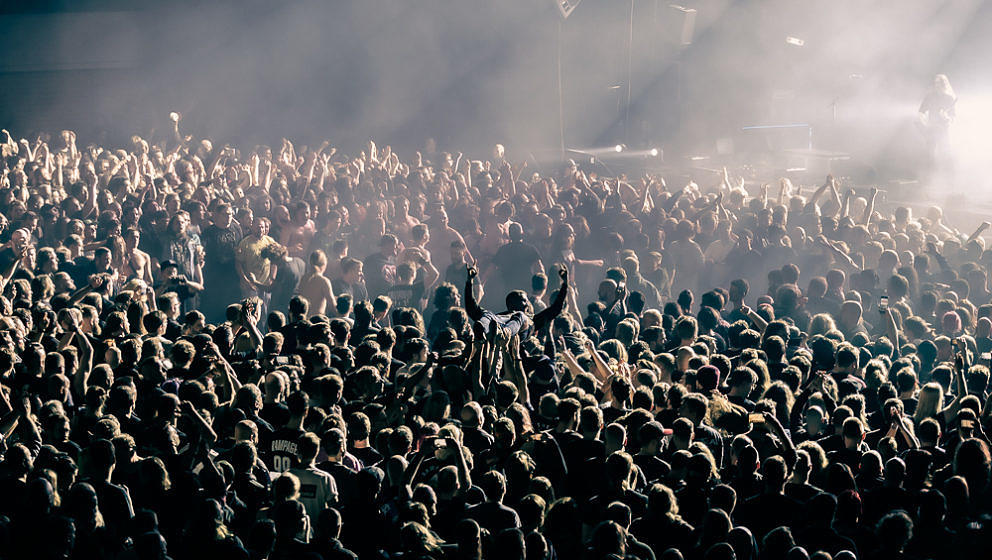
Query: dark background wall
x=471, y=73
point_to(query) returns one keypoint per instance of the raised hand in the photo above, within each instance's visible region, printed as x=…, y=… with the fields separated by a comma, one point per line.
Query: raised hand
x=624, y=370
x=472, y=271
x=589, y=346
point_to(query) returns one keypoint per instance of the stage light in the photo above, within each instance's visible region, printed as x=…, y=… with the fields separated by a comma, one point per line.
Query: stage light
x=795, y=41
x=654, y=152
x=618, y=148
x=966, y=148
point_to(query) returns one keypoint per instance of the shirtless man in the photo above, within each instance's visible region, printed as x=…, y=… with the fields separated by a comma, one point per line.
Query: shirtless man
x=299, y=233
x=403, y=223
x=439, y=240
x=138, y=264
x=315, y=286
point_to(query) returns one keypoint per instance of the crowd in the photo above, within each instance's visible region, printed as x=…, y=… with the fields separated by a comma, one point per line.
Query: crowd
x=208, y=352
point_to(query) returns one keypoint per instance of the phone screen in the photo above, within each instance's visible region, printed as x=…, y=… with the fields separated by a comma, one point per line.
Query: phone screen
x=755, y=418
x=883, y=303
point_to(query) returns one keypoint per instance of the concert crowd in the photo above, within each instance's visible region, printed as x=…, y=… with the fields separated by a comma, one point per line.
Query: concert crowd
x=290, y=352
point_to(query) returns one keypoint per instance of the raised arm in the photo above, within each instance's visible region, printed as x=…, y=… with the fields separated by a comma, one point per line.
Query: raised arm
x=711, y=207
x=842, y=257
x=618, y=309
x=784, y=187
x=835, y=194
x=91, y=206
x=471, y=306
x=776, y=427
x=899, y=425
x=819, y=192
x=759, y=322
x=600, y=369
x=570, y=362
x=557, y=306
x=514, y=367
x=206, y=431
x=870, y=207
x=892, y=329
x=978, y=232
x=960, y=390
x=464, y=475
x=960, y=387
x=846, y=210
x=416, y=378
x=81, y=378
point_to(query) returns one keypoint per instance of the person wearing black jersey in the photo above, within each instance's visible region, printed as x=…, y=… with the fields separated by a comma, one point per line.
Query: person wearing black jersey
x=283, y=446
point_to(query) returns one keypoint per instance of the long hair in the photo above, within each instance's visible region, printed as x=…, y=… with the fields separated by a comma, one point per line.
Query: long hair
x=931, y=402
x=419, y=539
x=942, y=85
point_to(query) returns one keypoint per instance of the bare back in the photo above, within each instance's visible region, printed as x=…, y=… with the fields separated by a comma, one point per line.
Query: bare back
x=317, y=289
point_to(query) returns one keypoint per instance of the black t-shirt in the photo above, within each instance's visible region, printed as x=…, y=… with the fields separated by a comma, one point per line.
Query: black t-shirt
x=765, y=512
x=515, y=260
x=375, y=274
x=654, y=468
x=291, y=335
x=358, y=290
x=596, y=507
x=275, y=413
x=367, y=455
x=344, y=479
x=288, y=275
x=282, y=449
x=178, y=287
x=849, y=457
x=909, y=405
x=449, y=513
x=745, y=402
x=407, y=296
x=456, y=274
x=80, y=270
x=477, y=439
x=662, y=532
x=802, y=492
x=115, y=503
x=493, y=516
x=220, y=246
x=173, y=329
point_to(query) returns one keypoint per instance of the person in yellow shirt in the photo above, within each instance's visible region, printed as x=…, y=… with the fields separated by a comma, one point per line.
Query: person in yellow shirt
x=255, y=267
